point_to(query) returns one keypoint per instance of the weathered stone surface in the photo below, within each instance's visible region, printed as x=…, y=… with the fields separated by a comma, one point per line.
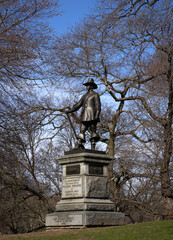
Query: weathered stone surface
x=70, y=207
x=104, y=218
x=85, y=199
x=83, y=169
x=84, y=157
x=84, y=206
x=84, y=218
x=96, y=187
x=101, y=207
x=85, y=186
x=74, y=151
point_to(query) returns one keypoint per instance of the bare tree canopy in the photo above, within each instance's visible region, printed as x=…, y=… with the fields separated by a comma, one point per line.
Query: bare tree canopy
x=127, y=48
x=25, y=40
x=23, y=36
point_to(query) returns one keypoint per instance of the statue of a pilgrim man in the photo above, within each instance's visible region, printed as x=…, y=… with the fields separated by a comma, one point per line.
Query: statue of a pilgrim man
x=91, y=107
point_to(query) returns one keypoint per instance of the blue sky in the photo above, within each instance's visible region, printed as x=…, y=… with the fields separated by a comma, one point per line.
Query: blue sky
x=72, y=12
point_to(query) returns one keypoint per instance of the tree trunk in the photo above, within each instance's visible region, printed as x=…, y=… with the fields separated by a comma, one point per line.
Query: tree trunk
x=165, y=176
x=168, y=208
x=111, y=143
x=166, y=190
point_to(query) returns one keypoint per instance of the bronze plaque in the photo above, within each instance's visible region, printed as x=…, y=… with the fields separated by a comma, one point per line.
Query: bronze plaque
x=96, y=169
x=70, y=170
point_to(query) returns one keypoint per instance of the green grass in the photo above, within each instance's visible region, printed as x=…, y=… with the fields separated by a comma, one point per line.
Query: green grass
x=162, y=230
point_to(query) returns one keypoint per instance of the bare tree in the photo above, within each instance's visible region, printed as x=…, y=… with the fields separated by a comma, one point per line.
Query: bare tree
x=127, y=49
x=24, y=39
x=158, y=75
x=117, y=50
x=30, y=175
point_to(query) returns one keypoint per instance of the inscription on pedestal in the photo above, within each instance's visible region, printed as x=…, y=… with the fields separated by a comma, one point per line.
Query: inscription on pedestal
x=68, y=220
x=72, y=187
x=70, y=170
x=64, y=219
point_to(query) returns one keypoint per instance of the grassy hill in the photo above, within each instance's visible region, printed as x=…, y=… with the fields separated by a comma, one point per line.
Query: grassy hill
x=161, y=230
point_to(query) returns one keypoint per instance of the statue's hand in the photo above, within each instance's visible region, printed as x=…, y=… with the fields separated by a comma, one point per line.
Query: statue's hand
x=97, y=116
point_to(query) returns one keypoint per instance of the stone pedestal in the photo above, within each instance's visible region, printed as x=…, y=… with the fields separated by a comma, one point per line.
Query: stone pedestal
x=85, y=197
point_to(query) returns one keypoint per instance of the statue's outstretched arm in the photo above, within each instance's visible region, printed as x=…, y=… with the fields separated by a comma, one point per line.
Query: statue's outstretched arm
x=76, y=106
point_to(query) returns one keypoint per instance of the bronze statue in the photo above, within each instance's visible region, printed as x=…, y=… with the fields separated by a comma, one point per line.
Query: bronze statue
x=91, y=107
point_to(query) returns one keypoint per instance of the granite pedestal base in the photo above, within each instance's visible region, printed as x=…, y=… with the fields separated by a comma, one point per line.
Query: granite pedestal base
x=82, y=219
x=85, y=196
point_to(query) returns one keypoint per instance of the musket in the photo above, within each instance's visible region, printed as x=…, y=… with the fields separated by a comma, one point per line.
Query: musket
x=72, y=126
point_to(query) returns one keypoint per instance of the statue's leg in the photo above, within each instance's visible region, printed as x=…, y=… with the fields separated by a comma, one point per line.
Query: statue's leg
x=94, y=136
x=81, y=136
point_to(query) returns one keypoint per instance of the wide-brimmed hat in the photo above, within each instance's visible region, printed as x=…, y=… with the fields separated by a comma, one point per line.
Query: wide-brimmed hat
x=91, y=82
